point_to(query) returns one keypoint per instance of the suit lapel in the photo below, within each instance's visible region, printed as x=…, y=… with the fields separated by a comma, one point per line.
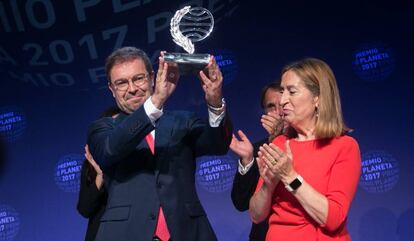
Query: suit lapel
x=143, y=144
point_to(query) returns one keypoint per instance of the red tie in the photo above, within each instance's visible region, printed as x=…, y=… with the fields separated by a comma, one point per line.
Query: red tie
x=150, y=142
x=161, y=230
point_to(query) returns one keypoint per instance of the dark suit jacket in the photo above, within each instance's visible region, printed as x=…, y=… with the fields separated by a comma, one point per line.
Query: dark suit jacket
x=243, y=189
x=91, y=202
x=138, y=182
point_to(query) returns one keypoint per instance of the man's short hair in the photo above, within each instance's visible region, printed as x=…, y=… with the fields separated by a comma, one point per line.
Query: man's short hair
x=126, y=54
x=275, y=85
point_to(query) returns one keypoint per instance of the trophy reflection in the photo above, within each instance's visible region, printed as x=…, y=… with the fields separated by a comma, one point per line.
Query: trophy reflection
x=190, y=25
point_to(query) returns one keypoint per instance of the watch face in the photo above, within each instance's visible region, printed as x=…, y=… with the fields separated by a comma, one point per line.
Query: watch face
x=295, y=184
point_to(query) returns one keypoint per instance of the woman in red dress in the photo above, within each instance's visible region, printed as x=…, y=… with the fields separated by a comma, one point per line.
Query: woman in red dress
x=309, y=175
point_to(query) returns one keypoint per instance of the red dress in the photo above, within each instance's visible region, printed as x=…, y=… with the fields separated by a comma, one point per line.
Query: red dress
x=333, y=170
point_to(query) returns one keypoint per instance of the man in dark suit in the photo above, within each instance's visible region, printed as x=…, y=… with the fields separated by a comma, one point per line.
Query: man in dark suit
x=151, y=188
x=92, y=195
x=245, y=180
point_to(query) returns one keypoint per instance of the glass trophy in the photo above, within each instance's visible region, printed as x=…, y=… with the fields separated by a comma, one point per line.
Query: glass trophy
x=190, y=25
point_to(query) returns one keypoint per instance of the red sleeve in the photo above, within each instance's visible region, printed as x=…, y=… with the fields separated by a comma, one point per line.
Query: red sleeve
x=343, y=183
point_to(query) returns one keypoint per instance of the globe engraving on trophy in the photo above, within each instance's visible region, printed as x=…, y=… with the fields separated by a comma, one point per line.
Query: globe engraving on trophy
x=190, y=25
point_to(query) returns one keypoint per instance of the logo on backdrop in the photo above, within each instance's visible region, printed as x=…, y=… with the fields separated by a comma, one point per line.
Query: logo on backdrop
x=228, y=65
x=68, y=172
x=380, y=172
x=9, y=223
x=215, y=173
x=373, y=62
x=12, y=123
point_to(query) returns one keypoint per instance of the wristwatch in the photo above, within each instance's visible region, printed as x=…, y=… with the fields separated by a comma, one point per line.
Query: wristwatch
x=295, y=184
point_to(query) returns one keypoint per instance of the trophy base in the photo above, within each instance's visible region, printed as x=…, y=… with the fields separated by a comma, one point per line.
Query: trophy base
x=188, y=63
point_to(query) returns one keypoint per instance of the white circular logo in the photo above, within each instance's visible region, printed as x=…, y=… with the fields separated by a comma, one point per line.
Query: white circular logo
x=191, y=25
x=197, y=24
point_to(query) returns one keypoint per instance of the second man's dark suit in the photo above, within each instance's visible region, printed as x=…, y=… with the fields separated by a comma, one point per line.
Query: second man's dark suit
x=243, y=189
x=139, y=182
x=91, y=202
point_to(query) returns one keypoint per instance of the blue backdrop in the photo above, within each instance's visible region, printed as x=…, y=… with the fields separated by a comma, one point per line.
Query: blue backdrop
x=52, y=85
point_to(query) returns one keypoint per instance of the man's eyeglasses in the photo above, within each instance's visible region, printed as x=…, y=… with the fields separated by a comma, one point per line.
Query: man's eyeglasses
x=137, y=80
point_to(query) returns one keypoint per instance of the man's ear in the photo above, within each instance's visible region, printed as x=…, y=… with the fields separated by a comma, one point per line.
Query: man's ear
x=111, y=89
